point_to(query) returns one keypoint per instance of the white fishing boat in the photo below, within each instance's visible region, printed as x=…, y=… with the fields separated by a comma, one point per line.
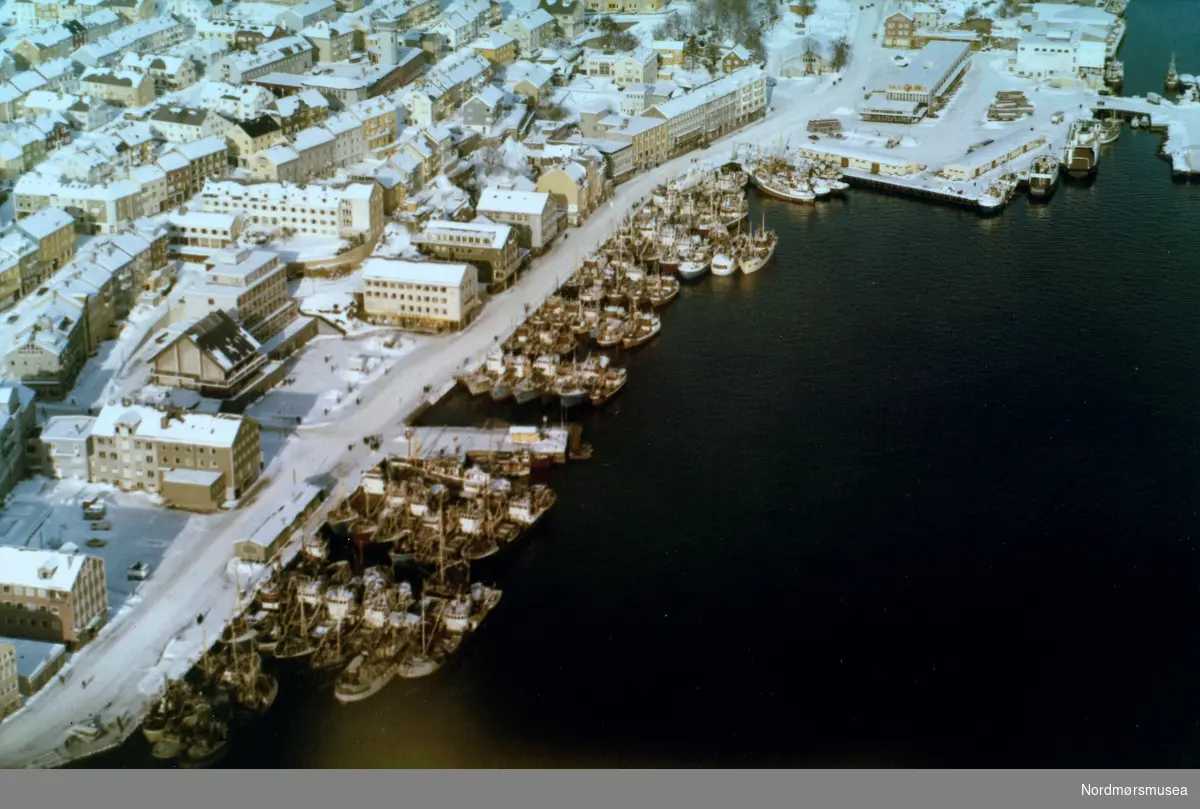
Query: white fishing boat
x=724, y=264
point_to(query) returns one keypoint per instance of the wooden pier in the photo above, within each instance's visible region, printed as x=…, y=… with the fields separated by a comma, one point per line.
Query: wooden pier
x=896, y=185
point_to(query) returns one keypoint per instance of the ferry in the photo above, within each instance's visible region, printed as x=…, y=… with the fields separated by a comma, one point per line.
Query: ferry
x=1082, y=155
x=1043, y=176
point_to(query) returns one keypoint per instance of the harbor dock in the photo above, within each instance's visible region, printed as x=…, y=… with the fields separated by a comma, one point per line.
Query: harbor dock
x=542, y=443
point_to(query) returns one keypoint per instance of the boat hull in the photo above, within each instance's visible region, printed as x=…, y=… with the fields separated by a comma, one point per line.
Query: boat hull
x=690, y=271
x=524, y=395
x=346, y=696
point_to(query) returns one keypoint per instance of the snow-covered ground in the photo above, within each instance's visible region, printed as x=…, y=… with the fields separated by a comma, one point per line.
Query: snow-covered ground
x=48, y=514
x=330, y=377
x=120, y=365
x=831, y=20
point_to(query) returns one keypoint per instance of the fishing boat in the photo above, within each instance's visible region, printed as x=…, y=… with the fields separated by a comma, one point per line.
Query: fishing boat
x=644, y=326
x=759, y=251
x=608, y=385
x=724, y=263
x=998, y=194
x=1109, y=131
x=1172, y=80
x=484, y=599
x=570, y=389
x=526, y=509
x=420, y=659
x=613, y=329
x=209, y=743
x=661, y=290
x=782, y=186
x=1043, y=176
x=370, y=671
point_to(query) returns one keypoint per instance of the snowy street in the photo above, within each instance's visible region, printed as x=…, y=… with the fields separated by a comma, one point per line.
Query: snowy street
x=125, y=666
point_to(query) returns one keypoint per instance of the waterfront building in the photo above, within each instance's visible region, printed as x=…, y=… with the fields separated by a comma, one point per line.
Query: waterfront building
x=52, y=596
x=713, y=109
x=920, y=86
x=490, y=246
x=992, y=156
x=265, y=541
x=196, y=461
x=420, y=295
x=533, y=214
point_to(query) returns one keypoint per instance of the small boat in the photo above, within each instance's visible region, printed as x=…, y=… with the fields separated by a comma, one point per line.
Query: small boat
x=820, y=187
x=364, y=677
x=1172, y=80
x=527, y=390
x=645, y=326
x=608, y=385
x=571, y=390
x=694, y=267
x=1110, y=130
x=724, y=264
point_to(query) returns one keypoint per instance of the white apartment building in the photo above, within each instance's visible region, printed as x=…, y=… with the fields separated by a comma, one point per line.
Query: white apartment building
x=420, y=295
x=284, y=55
x=356, y=208
x=713, y=109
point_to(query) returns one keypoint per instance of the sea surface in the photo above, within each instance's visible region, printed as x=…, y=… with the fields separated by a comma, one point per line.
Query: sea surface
x=923, y=492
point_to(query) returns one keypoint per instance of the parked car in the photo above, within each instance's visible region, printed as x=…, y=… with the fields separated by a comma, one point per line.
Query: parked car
x=138, y=572
x=102, y=525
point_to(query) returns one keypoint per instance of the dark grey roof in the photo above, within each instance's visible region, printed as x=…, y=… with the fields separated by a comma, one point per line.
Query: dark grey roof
x=218, y=333
x=262, y=125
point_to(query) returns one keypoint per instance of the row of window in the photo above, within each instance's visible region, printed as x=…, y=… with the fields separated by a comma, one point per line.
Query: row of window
x=31, y=592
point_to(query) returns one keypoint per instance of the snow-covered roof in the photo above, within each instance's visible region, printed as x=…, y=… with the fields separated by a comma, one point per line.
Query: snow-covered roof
x=192, y=477
x=490, y=96
x=929, y=65
x=505, y=201
x=311, y=138
x=44, y=570
x=45, y=222
x=434, y=273
x=202, y=219
x=493, y=40
x=67, y=427
x=201, y=429
x=444, y=229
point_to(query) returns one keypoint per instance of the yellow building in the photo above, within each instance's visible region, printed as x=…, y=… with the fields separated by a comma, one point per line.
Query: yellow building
x=53, y=231
x=196, y=461
x=10, y=694
x=124, y=88
x=497, y=48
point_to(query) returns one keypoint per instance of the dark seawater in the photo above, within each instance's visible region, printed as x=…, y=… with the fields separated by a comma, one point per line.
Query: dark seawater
x=924, y=492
